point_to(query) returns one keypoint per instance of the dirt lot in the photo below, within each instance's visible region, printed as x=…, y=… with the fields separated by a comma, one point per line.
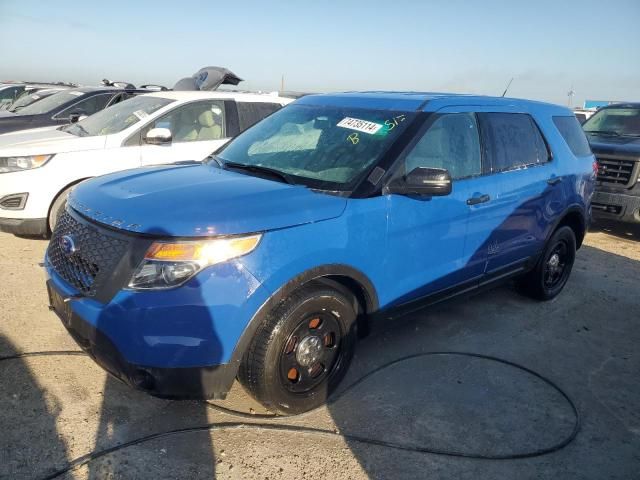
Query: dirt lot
x=55, y=409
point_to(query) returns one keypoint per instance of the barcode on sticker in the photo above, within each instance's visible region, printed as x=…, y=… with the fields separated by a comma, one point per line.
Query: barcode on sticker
x=363, y=126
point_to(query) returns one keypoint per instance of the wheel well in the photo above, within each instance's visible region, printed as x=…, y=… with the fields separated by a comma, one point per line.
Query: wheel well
x=575, y=221
x=60, y=193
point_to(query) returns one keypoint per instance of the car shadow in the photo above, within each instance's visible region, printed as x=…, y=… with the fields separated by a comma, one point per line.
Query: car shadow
x=470, y=405
x=627, y=231
x=128, y=414
x=42, y=449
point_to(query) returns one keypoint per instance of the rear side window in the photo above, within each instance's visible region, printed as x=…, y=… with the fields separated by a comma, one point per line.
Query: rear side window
x=512, y=140
x=572, y=132
x=250, y=113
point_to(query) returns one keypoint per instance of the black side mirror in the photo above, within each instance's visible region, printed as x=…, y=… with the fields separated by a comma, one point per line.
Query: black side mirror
x=422, y=181
x=76, y=117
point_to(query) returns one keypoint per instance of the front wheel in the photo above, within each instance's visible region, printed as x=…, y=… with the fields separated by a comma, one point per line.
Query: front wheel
x=301, y=351
x=552, y=271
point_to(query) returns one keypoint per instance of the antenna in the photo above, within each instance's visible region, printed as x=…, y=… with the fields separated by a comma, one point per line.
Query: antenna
x=508, y=85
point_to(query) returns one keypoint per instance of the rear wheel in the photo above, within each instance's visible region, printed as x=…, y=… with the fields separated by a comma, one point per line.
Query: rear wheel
x=57, y=208
x=301, y=351
x=552, y=271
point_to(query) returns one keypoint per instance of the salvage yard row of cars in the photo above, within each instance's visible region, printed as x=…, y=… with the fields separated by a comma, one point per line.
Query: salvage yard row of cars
x=250, y=236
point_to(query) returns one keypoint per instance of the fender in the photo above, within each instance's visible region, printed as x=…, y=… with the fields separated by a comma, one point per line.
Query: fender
x=322, y=273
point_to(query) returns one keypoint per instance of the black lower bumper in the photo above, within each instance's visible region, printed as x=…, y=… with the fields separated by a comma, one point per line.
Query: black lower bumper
x=616, y=206
x=197, y=383
x=24, y=226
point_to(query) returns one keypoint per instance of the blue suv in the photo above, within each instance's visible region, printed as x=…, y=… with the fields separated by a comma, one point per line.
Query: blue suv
x=264, y=263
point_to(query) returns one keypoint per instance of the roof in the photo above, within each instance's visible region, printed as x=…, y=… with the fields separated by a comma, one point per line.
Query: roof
x=622, y=105
x=220, y=94
x=425, y=101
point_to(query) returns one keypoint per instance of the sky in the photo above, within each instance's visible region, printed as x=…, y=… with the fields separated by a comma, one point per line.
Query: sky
x=547, y=47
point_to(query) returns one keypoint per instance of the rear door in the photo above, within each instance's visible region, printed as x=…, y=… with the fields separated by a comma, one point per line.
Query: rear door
x=529, y=194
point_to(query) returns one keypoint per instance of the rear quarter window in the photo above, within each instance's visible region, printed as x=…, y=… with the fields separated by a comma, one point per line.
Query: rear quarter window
x=571, y=131
x=250, y=113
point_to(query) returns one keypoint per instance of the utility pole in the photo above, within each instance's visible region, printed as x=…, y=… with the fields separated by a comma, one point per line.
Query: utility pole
x=282, y=83
x=570, y=95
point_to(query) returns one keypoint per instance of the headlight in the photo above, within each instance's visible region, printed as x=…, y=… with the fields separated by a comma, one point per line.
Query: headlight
x=170, y=264
x=16, y=164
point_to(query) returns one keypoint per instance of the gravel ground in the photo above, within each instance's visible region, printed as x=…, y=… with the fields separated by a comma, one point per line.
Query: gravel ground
x=56, y=409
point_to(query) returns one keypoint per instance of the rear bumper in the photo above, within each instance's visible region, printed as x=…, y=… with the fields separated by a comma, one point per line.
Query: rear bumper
x=24, y=226
x=617, y=206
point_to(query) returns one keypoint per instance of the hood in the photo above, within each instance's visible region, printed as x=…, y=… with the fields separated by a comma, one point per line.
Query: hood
x=612, y=145
x=43, y=141
x=199, y=200
x=6, y=113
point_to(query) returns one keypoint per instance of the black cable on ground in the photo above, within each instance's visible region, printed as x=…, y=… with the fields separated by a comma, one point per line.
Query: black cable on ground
x=85, y=459
x=48, y=353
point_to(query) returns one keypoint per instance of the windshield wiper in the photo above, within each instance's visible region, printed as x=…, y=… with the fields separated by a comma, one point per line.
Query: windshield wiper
x=604, y=132
x=260, y=169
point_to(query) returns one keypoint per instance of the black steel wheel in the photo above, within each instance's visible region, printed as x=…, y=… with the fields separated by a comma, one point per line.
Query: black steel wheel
x=302, y=350
x=553, y=269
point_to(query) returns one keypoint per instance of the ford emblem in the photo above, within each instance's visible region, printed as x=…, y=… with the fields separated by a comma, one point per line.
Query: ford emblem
x=68, y=245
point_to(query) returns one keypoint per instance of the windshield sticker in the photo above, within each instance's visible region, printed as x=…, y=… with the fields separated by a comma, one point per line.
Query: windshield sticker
x=363, y=126
x=141, y=114
x=35, y=97
x=77, y=94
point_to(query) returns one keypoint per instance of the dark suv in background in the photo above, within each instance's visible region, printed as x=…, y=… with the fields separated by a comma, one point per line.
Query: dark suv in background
x=614, y=135
x=66, y=107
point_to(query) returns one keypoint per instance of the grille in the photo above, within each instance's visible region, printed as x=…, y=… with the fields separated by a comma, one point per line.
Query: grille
x=615, y=171
x=92, y=261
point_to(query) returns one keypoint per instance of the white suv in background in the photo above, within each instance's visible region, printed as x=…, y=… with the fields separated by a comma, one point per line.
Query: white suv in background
x=39, y=167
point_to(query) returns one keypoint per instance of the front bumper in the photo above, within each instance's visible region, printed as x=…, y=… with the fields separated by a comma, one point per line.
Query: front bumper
x=24, y=226
x=173, y=344
x=620, y=206
x=177, y=383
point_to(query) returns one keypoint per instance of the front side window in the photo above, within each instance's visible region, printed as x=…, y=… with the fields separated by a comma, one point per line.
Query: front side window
x=87, y=107
x=571, y=131
x=451, y=142
x=325, y=147
x=194, y=122
x=614, y=121
x=8, y=95
x=117, y=118
x=512, y=141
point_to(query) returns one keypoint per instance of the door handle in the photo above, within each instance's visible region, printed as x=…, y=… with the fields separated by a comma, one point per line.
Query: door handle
x=554, y=180
x=479, y=199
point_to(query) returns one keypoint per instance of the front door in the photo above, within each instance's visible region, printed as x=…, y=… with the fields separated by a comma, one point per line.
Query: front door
x=197, y=130
x=426, y=235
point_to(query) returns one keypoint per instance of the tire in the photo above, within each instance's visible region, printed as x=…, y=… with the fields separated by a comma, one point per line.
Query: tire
x=552, y=271
x=57, y=208
x=312, y=331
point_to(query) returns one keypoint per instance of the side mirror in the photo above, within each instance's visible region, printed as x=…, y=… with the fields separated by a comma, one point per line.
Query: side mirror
x=158, y=136
x=76, y=117
x=422, y=181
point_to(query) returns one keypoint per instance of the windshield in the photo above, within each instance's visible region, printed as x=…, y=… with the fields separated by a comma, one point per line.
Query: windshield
x=26, y=100
x=49, y=103
x=614, y=121
x=118, y=117
x=322, y=147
